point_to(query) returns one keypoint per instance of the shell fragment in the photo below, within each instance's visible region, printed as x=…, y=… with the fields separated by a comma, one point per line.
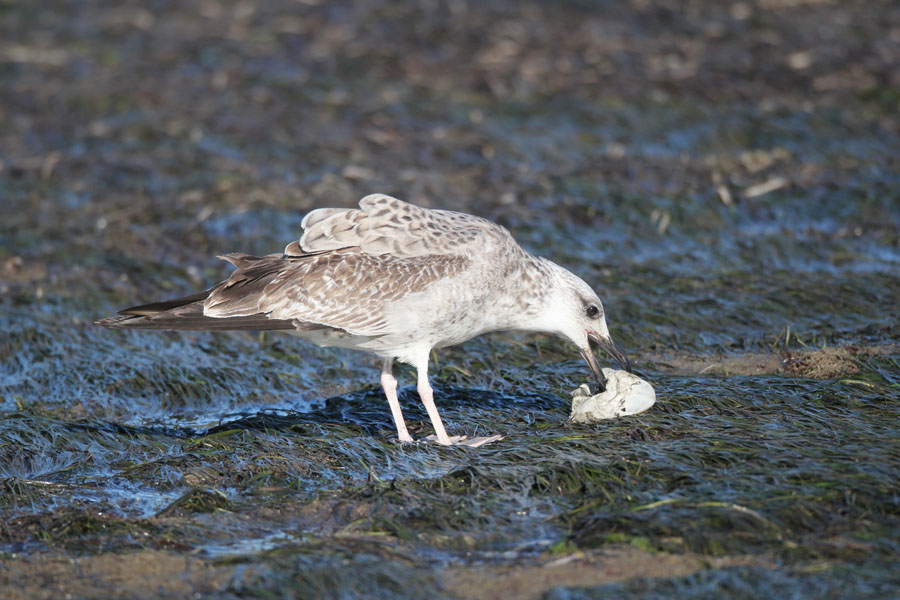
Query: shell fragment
x=626, y=394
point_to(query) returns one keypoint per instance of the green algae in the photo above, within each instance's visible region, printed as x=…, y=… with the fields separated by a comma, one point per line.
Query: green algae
x=277, y=461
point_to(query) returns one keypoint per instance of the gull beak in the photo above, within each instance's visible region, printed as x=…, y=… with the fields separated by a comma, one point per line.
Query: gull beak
x=607, y=344
x=588, y=356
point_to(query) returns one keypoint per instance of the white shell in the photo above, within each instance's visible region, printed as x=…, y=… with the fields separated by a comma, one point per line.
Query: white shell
x=626, y=394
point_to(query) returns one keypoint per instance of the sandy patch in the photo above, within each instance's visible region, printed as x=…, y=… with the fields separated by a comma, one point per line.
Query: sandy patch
x=613, y=564
x=821, y=363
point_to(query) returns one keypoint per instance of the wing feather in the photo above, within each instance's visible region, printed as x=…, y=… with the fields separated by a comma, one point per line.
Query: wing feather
x=344, y=273
x=386, y=225
x=352, y=290
x=187, y=314
x=347, y=289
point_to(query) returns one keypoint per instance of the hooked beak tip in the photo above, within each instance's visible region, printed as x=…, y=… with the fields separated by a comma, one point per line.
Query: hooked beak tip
x=610, y=347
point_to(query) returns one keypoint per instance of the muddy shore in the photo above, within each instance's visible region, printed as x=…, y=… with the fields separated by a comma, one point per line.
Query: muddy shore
x=725, y=174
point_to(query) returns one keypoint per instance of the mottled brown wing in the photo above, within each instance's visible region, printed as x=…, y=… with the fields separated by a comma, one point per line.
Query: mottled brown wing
x=386, y=225
x=240, y=294
x=187, y=313
x=346, y=289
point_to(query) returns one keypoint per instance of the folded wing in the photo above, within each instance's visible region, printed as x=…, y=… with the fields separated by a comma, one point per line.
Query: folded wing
x=346, y=289
x=349, y=266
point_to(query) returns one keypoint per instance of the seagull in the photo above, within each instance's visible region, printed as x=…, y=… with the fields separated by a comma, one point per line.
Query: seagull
x=396, y=280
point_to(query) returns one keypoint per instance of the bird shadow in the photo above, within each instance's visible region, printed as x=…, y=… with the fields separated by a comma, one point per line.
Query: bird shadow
x=365, y=409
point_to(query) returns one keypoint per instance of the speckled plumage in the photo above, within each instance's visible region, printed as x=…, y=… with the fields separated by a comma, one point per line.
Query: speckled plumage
x=393, y=279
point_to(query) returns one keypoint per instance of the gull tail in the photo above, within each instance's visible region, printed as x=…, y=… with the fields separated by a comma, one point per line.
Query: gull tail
x=187, y=314
x=229, y=306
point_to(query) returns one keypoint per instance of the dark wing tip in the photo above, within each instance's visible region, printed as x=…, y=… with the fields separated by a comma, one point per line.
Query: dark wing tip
x=114, y=322
x=147, y=310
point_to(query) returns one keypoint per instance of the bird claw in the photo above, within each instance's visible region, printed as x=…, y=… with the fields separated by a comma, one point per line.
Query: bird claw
x=463, y=440
x=478, y=442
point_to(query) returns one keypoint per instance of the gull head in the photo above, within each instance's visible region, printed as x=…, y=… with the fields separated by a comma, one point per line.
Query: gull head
x=574, y=311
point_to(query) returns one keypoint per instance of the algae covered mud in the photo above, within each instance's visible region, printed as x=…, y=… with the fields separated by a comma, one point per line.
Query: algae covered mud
x=726, y=176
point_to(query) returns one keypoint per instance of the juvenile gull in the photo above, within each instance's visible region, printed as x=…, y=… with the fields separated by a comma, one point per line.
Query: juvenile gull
x=395, y=280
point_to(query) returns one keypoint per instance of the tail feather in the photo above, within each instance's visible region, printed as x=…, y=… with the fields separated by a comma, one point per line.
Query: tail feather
x=232, y=299
x=187, y=314
x=170, y=323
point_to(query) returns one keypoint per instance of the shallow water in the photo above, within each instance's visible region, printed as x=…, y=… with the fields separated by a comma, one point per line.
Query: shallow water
x=739, y=224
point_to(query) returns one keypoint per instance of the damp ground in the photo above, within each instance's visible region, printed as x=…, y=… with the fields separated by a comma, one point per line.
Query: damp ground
x=725, y=175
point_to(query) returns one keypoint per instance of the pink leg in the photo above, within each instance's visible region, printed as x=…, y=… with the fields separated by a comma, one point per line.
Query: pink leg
x=427, y=396
x=389, y=383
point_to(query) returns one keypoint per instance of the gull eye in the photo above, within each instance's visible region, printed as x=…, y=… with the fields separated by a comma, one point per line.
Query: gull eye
x=592, y=311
